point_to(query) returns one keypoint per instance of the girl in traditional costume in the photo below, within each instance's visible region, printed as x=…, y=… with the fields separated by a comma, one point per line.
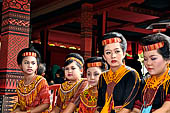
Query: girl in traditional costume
x=94, y=66
x=154, y=94
x=69, y=93
x=119, y=85
x=32, y=90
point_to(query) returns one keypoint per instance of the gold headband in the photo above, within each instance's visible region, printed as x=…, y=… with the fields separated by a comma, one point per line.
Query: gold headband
x=153, y=46
x=75, y=59
x=111, y=40
x=95, y=64
x=29, y=54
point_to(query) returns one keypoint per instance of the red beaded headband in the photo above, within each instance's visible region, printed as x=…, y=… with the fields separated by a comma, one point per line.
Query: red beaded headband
x=95, y=64
x=153, y=46
x=75, y=59
x=111, y=40
x=29, y=54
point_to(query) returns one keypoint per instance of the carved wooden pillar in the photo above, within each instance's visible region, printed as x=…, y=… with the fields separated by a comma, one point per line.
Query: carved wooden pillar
x=86, y=29
x=101, y=30
x=14, y=37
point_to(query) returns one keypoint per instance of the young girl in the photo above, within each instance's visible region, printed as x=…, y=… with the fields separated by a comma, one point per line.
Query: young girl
x=69, y=92
x=154, y=94
x=94, y=66
x=118, y=86
x=33, y=91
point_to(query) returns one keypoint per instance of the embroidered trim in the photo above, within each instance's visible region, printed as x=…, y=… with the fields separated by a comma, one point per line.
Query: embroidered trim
x=67, y=91
x=89, y=97
x=152, y=84
x=115, y=76
x=25, y=90
x=28, y=93
x=67, y=87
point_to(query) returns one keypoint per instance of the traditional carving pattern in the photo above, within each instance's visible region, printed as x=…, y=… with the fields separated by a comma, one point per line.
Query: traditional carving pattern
x=87, y=20
x=86, y=29
x=16, y=22
x=15, y=36
x=23, y=5
x=15, y=47
x=19, y=15
x=15, y=44
x=15, y=30
x=8, y=102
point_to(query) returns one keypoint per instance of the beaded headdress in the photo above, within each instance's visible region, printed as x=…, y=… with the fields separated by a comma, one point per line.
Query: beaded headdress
x=95, y=64
x=111, y=40
x=75, y=59
x=153, y=46
x=29, y=54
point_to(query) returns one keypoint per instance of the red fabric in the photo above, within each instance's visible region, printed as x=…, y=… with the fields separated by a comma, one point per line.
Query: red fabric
x=167, y=97
x=37, y=93
x=138, y=104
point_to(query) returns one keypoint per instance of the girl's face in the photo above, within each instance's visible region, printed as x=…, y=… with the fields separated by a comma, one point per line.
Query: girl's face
x=154, y=62
x=29, y=65
x=114, y=55
x=72, y=72
x=93, y=74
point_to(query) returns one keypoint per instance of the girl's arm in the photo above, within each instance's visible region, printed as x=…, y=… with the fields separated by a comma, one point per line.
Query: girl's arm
x=44, y=97
x=56, y=110
x=76, y=98
x=40, y=108
x=17, y=109
x=124, y=110
x=164, y=109
x=70, y=108
x=135, y=110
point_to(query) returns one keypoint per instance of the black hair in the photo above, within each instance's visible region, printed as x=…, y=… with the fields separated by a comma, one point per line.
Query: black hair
x=156, y=38
x=96, y=59
x=123, y=43
x=31, y=49
x=60, y=72
x=75, y=55
x=41, y=69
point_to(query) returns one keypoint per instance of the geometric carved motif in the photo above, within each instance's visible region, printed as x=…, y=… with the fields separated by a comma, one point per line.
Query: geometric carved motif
x=16, y=16
x=8, y=102
x=23, y=5
x=16, y=22
x=86, y=29
x=15, y=36
x=12, y=45
x=16, y=43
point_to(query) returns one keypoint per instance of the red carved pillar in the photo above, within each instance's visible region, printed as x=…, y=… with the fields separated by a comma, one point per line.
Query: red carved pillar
x=86, y=29
x=14, y=37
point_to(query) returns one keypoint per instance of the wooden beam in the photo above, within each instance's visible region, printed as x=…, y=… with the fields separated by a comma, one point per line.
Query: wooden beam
x=108, y=5
x=58, y=20
x=55, y=5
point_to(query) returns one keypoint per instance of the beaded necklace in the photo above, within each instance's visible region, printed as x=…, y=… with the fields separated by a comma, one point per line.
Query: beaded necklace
x=112, y=78
x=67, y=91
x=152, y=85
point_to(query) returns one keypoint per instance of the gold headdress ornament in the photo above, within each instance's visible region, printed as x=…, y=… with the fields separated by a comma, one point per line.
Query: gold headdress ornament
x=29, y=54
x=95, y=64
x=153, y=46
x=75, y=59
x=111, y=40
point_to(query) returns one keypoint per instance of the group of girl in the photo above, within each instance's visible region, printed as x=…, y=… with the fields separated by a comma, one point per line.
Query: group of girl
x=109, y=87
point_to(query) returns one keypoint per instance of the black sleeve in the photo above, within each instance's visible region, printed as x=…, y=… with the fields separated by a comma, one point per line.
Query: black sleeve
x=132, y=84
x=101, y=92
